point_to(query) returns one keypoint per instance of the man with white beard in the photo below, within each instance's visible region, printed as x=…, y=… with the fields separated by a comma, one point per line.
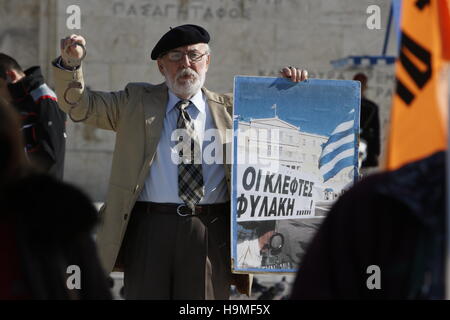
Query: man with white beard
x=166, y=221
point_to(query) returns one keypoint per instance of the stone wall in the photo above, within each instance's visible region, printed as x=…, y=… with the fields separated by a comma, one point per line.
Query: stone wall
x=249, y=37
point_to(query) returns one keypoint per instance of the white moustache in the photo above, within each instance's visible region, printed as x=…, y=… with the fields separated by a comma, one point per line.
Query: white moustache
x=187, y=72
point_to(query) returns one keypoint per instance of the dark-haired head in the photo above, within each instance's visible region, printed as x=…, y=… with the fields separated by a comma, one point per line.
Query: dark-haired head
x=361, y=77
x=8, y=63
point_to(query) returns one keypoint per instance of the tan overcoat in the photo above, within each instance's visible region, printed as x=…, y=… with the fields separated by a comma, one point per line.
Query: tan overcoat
x=136, y=114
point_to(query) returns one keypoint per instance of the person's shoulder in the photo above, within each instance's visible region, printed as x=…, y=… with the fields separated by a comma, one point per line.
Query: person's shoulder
x=43, y=93
x=225, y=99
x=138, y=89
x=228, y=97
x=49, y=205
x=38, y=89
x=360, y=204
x=368, y=103
x=367, y=188
x=412, y=184
x=144, y=86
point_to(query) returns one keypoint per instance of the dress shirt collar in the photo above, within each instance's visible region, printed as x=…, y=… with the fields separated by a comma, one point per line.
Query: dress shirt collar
x=197, y=100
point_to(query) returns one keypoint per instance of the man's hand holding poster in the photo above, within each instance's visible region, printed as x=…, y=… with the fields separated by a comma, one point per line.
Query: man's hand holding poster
x=294, y=153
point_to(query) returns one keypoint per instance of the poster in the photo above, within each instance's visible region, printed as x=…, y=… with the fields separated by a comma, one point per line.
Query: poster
x=295, y=151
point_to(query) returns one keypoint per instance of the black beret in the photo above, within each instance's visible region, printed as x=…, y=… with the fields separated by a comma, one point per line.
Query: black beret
x=178, y=37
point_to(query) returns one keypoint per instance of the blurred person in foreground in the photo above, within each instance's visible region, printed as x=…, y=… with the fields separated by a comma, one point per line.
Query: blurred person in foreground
x=369, y=127
x=45, y=228
x=167, y=214
x=391, y=221
x=43, y=124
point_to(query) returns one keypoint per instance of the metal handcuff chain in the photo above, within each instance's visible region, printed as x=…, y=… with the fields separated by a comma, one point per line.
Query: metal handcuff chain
x=75, y=85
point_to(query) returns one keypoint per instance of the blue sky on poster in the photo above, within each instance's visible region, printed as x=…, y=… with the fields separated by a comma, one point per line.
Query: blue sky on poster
x=316, y=106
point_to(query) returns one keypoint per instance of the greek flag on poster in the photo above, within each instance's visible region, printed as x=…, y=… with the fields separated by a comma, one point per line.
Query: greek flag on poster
x=338, y=152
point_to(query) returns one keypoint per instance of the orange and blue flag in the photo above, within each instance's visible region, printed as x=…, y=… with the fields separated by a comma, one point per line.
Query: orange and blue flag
x=420, y=104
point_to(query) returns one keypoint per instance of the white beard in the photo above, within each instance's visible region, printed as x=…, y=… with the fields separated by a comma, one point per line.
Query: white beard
x=186, y=88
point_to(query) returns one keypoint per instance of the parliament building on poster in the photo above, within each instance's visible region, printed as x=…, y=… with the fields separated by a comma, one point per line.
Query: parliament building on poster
x=273, y=139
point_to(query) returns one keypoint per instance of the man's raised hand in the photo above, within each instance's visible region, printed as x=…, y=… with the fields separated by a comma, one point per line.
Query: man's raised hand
x=295, y=74
x=71, y=52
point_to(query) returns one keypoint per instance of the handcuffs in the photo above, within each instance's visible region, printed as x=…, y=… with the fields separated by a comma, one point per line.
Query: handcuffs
x=75, y=85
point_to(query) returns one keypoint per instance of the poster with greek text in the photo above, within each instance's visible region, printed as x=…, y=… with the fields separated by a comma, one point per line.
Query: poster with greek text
x=295, y=151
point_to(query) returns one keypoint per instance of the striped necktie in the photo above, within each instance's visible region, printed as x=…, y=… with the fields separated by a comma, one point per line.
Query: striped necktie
x=190, y=177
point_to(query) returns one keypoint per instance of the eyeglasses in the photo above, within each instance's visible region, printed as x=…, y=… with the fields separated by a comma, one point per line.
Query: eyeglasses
x=193, y=56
